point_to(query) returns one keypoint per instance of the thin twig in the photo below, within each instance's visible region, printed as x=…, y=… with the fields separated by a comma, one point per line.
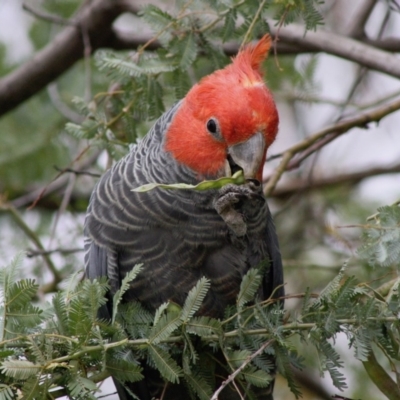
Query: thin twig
x=276, y=36
x=374, y=216
x=48, y=17
x=35, y=253
x=314, y=142
x=351, y=178
x=77, y=172
x=63, y=206
x=234, y=374
x=34, y=238
x=54, y=185
x=41, y=194
x=252, y=24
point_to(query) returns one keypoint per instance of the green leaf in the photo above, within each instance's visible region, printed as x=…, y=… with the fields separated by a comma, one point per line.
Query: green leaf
x=9, y=273
x=6, y=392
x=19, y=369
x=129, y=277
x=20, y=293
x=381, y=240
x=203, y=326
x=92, y=295
x=331, y=363
x=82, y=387
x=71, y=284
x=156, y=17
x=285, y=368
x=330, y=289
x=26, y=317
x=181, y=83
x=167, y=366
x=154, y=98
x=249, y=286
x=229, y=24
x=362, y=344
x=195, y=299
x=188, y=54
x=159, y=312
x=128, y=69
x=79, y=322
x=237, y=179
x=257, y=377
x=32, y=390
x=167, y=324
x=123, y=369
x=199, y=385
x=61, y=313
x=238, y=357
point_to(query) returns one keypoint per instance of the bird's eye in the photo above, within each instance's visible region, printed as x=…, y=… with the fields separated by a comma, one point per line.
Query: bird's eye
x=213, y=128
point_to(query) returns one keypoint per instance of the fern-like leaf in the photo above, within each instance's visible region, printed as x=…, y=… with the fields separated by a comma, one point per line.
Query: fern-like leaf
x=381, y=241
x=256, y=377
x=19, y=369
x=167, y=324
x=82, y=388
x=129, y=277
x=124, y=370
x=248, y=287
x=203, y=326
x=6, y=392
x=195, y=299
x=199, y=385
x=167, y=366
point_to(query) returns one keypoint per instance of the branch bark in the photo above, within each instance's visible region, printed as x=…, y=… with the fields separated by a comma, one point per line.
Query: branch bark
x=351, y=178
x=340, y=46
x=95, y=19
x=357, y=30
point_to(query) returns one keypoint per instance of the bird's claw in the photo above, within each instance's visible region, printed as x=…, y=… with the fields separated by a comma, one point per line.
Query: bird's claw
x=235, y=202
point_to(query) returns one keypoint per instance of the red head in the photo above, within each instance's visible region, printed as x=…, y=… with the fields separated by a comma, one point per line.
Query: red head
x=228, y=114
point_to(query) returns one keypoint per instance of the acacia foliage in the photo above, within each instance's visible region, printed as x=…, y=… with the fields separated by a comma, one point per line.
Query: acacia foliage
x=65, y=349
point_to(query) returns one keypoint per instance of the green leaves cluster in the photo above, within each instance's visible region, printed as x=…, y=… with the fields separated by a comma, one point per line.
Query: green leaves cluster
x=66, y=349
x=381, y=238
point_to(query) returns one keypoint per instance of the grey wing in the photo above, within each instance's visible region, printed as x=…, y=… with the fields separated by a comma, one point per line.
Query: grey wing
x=274, y=276
x=99, y=261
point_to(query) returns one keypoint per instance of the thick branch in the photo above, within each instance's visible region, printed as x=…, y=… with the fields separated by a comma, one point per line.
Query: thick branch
x=95, y=19
x=341, y=46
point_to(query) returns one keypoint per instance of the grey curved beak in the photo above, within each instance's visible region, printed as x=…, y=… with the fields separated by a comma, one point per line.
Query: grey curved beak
x=249, y=155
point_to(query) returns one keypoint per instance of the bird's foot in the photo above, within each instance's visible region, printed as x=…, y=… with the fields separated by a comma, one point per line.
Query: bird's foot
x=234, y=202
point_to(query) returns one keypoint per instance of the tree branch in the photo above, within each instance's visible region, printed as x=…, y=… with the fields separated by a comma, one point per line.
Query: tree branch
x=360, y=18
x=55, y=185
x=95, y=18
x=314, y=142
x=352, y=178
x=340, y=46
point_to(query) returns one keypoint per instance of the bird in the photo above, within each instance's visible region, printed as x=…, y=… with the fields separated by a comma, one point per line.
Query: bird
x=224, y=124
